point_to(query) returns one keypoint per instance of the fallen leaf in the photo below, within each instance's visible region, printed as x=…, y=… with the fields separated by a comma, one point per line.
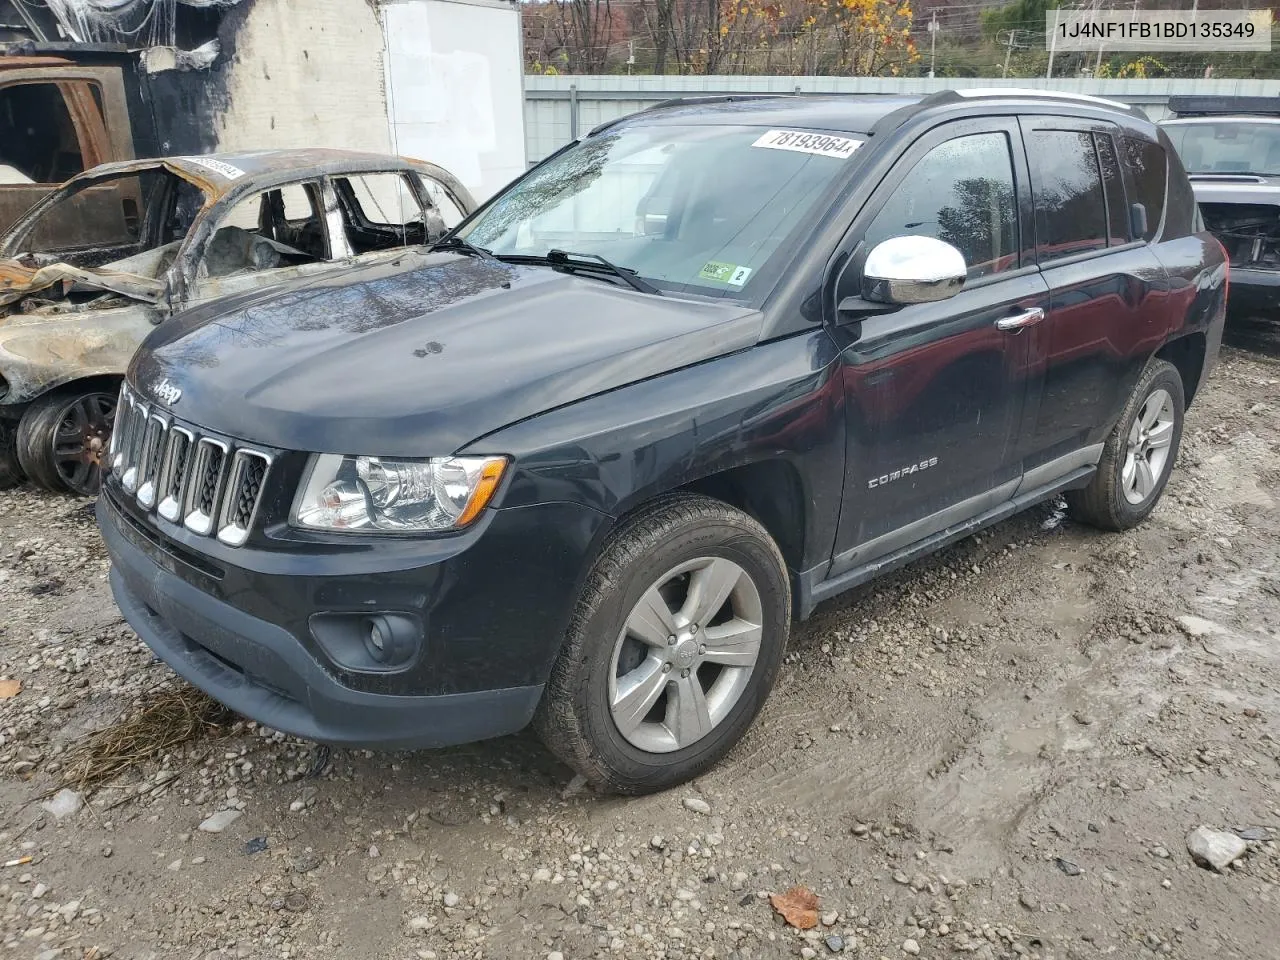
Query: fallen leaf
x=9, y=688
x=798, y=906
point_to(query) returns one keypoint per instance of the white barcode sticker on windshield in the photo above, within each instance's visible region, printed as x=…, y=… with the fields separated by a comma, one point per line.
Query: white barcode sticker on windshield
x=824, y=145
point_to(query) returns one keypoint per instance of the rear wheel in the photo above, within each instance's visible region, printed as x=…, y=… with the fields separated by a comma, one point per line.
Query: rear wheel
x=674, y=646
x=1139, y=454
x=63, y=439
x=10, y=470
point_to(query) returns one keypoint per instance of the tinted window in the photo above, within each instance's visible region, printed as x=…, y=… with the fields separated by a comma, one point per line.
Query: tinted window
x=961, y=192
x=1148, y=170
x=1071, y=215
x=1113, y=188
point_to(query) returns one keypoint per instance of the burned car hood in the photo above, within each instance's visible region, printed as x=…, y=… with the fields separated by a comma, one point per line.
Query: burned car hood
x=17, y=280
x=421, y=355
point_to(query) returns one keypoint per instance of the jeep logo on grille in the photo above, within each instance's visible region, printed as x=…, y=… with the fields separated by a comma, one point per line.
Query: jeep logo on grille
x=167, y=392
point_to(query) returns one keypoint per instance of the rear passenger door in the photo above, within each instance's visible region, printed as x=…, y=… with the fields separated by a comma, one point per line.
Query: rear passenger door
x=1106, y=290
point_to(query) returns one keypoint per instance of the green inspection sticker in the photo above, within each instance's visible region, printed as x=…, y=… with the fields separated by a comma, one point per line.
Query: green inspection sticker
x=730, y=273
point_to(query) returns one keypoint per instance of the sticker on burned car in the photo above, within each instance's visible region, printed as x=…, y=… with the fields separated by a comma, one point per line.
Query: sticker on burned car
x=220, y=167
x=821, y=144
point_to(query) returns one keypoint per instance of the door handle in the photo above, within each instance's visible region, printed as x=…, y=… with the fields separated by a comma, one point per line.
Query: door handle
x=1019, y=320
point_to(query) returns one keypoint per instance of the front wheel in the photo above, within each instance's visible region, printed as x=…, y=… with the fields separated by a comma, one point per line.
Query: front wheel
x=63, y=439
x=673, y=648
x=1139, y=454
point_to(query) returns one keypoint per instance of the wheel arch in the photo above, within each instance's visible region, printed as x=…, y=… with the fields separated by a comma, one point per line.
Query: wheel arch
x=1187, y=354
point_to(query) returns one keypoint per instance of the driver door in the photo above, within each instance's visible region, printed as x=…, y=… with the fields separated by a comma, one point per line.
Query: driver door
x=934, y=392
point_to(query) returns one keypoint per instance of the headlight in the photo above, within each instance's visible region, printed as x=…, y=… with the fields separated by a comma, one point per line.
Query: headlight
x=408, y=496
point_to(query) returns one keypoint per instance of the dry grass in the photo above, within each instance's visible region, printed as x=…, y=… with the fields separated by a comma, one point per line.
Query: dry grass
x=166, y=718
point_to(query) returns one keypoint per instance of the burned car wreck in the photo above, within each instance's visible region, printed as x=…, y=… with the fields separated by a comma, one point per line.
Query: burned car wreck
x=1231, y=149
x=90, y=269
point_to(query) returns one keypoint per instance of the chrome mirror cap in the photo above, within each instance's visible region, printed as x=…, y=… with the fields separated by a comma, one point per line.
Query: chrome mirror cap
x=913, y=270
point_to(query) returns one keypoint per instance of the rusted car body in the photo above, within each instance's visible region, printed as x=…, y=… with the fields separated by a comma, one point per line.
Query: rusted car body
x=183, y=230
x=57, y=119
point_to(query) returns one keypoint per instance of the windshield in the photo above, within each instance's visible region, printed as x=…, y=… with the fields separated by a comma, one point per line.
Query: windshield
x=1227, y=146
x=689, y=208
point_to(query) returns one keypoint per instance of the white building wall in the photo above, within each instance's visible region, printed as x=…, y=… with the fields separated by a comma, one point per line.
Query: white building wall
x=307, y=73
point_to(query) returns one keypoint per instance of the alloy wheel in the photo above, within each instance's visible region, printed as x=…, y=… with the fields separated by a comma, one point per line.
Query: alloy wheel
x=1147, y=452
x=80, y=441
x=685, y=654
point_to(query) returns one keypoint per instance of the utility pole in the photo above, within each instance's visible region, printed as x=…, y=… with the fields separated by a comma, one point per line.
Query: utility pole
x=1053, y=42
x=933, y=43
x=1010, y=43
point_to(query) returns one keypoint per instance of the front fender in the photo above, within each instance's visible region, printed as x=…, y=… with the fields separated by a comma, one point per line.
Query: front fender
x=40, y=351
x=776, y=401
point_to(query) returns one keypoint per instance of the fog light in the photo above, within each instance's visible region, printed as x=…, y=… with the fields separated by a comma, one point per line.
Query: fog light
x=378, y=637
x=369, y=642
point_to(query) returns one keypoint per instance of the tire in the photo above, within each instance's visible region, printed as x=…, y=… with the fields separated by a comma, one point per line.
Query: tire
x=686, y=544
x=63, y=438
x=10, y=470
x=1115, y=498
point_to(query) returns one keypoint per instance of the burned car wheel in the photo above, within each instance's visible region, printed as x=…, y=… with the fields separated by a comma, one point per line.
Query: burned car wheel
x=10, y=470
x=63, y=439
x=675, y=644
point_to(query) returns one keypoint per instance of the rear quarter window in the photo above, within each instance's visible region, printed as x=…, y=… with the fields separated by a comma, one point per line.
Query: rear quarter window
x=1148, y=168
x=1181, y=215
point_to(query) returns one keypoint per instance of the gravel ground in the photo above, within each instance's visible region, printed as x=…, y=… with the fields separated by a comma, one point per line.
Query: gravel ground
x=997, y=752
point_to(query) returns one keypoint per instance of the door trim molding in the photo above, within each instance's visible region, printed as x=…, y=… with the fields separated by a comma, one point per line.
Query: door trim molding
x=924, y=536
x=1059, y=466
x=908, y=534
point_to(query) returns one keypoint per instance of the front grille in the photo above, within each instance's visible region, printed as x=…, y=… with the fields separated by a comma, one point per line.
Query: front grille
x=205, y=483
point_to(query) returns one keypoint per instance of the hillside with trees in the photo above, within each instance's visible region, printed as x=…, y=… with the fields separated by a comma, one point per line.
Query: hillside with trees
x=867, y=38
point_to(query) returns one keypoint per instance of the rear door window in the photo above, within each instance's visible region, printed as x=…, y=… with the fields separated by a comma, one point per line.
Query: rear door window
x=1113, y=190
x=1070, y=206
x=1148, y=171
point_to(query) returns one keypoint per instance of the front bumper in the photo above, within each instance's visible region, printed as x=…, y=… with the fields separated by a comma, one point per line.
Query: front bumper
x=242, y=636
x=1254, y=294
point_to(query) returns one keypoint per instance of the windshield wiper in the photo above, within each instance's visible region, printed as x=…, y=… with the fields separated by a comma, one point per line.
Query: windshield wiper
x=463, y=246
x=564, y=260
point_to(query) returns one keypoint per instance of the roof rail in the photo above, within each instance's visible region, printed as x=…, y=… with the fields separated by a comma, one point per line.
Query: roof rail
x=1206, y=106
x=691, y=101
x=973, y=93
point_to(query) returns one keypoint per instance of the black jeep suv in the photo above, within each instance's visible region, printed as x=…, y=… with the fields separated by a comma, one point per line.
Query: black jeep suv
x=582, y=463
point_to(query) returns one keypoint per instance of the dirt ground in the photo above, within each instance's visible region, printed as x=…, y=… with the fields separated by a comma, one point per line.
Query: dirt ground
x=996, y=752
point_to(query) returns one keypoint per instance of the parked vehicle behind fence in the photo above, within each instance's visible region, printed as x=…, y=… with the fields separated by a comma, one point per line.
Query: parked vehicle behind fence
x=93, y=267
x=583, y=463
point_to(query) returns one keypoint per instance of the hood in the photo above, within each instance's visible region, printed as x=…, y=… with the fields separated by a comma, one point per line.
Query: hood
x=18, y=281
x=419, y=356
x=1235, y=188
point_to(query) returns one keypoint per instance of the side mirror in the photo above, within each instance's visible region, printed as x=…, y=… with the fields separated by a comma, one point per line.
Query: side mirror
x=1138, y=223
x=912, y=269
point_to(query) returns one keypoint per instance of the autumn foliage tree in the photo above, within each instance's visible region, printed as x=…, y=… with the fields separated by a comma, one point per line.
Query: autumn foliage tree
x=833, y=37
